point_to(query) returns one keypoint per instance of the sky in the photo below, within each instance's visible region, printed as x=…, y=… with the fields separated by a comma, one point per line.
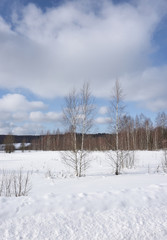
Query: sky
x=49, y=47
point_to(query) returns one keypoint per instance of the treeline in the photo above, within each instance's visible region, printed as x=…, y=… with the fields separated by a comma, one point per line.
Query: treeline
x=19, y=138
x=61, y=141
x=137, y=133
x=134, y=134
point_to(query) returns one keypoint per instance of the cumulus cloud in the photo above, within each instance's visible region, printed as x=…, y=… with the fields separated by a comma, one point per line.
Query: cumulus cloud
x=4, y=116
x=103, y=110
x=5, y=127
x=148, y=89
x=156, y=105
x=49, y=51
x=45, y=117
x=28, y=128
x=20, y=116
x=102, y=120
x=18, y=102
x=21, y=129
x=37, y=116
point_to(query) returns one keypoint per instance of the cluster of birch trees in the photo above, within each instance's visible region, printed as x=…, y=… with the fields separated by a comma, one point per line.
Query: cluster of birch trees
x=126, y=133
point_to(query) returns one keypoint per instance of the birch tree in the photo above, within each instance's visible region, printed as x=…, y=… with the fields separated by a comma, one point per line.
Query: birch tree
x=70, y=116
x=116, y=112
x=87, y=108
x=78, y=117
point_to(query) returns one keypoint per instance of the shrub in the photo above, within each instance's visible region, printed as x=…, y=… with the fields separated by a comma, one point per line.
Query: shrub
x=14, y=183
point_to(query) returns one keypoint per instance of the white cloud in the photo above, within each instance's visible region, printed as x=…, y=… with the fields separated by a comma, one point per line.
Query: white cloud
x=103, y=110
x=14, y=111
x=48, y=52
x=149, y=85
x=28, y=128
x=4, y=27
x=4, y=128
x=17, y=115
x=45, y=117
x=18, y=102
x=37, y=116
x=157, y=105
x=4, y=116
x=102, y=120
x=54, y=116
x=20, y=116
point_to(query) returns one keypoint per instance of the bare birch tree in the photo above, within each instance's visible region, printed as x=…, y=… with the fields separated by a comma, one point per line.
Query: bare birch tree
x=116, y=112
x=86, y=122
x=78, y=117
x=71, y=117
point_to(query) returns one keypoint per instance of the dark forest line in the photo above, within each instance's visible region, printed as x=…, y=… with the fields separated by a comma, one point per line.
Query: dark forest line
x=134, y=134
x=136, y=139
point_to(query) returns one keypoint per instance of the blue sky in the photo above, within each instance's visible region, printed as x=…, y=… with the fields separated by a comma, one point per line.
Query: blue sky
x=49, y=47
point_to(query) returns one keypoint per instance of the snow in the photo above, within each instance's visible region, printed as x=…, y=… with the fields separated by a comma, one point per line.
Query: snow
x=18, y=145
x=100, y=206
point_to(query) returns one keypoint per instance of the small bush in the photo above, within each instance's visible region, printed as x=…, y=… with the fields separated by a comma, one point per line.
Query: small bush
x=56, y=175
x=14, y=184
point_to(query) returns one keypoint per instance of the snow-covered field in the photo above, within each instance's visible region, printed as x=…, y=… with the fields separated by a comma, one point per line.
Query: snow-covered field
x=99, y=206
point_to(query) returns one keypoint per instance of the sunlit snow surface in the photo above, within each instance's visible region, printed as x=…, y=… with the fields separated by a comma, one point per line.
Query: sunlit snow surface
x=99, y=206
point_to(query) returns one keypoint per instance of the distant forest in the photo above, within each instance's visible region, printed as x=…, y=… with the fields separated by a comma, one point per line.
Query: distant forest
x=134, y=134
